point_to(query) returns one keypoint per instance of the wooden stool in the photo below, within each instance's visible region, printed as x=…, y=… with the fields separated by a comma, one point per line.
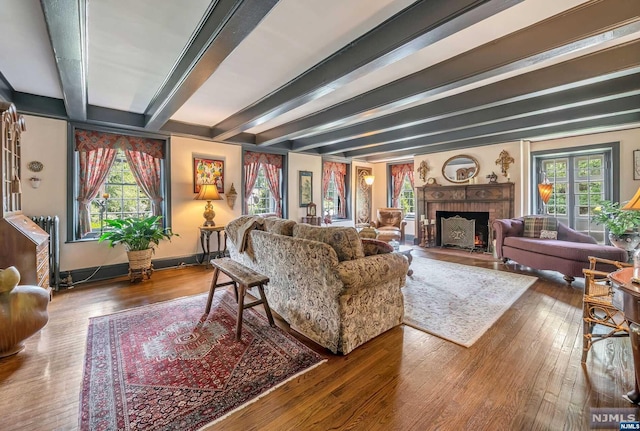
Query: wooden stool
x=242, y=278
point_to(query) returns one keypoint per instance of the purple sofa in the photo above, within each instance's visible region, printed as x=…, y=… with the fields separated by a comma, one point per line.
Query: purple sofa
x=569, y=254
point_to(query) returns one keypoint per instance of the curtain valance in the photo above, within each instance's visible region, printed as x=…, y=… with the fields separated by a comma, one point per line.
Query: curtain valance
x=335, y=167
x=274, y=160
x=90, y=140
x=401, y=169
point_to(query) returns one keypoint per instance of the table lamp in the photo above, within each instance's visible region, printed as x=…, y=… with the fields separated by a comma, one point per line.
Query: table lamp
x=208, y=192
x=634, y=205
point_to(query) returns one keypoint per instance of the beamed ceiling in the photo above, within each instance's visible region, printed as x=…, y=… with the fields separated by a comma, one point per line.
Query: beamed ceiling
x=372, y=80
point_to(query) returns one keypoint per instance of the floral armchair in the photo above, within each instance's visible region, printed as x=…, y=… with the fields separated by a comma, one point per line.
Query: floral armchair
x=390, y=224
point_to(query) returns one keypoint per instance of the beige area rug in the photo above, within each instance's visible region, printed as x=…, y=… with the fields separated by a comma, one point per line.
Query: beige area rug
x=458, y=302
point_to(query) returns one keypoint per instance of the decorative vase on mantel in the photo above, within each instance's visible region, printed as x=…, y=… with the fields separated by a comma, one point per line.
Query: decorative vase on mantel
x=627, y=241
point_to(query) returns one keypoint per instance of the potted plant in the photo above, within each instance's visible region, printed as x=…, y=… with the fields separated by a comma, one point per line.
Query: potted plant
x=621, y=224
x=139, y=236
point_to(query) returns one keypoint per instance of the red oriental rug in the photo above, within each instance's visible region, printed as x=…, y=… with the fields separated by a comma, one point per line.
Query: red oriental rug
x=169, y=366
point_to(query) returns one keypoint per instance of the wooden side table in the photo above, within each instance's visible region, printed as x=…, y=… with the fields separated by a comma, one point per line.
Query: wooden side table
x=313, y=220
x=205, y=242
x=630, y=293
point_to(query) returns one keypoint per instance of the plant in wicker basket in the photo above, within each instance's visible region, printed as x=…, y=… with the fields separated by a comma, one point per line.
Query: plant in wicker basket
x=139, y=236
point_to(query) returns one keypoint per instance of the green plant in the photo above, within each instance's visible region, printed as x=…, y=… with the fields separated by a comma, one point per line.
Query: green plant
x=616, y=220
x=136, y=233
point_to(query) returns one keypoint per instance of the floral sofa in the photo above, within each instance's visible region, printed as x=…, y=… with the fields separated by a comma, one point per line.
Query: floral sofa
x=321, y=282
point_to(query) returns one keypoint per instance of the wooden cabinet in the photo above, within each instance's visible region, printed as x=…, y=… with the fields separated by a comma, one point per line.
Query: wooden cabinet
x=314, y=220
x=23, y=243
x=26, y=246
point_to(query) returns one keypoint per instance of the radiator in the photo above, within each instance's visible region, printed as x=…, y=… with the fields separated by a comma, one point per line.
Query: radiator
x=51, y=225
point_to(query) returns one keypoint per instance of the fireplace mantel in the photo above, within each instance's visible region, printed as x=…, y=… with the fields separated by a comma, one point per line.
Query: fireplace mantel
x=496, y=199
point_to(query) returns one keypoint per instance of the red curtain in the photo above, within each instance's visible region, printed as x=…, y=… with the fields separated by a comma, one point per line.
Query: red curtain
x=273, y=177
x=250, y=177
x=88, y=140
x=97, y=152
x=272, y=164
x=146, y=170
x=339, y=170
x=398, y=173
x=94, y=167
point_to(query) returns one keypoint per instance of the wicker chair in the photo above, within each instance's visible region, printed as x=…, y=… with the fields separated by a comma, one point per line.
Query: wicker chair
x=599, y=311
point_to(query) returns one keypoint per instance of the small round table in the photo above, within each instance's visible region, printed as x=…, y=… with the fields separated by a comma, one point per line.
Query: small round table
x=630, y=291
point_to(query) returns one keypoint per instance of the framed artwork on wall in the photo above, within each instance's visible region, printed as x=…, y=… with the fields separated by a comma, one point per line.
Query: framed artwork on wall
x=208, y=171
x=305, y=184
x=363, y=196
x=636, y=164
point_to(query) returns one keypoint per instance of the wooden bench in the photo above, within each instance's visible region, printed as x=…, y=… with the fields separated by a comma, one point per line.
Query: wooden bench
x=243, y=279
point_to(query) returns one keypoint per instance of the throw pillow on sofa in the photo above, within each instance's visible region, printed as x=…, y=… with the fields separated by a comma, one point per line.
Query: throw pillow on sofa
x=533, y=225
x=279, y=226
x=373, y=246
x=344, y=240
x=548, y=234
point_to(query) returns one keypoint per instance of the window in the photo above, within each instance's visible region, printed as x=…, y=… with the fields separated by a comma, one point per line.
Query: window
x=125, y=198
x=334, y=190
x=114, y=176
x=406, y=198
x=261, y=200
x=331, y=203
x=263, y=183
x=401, y=184
x=581, y=180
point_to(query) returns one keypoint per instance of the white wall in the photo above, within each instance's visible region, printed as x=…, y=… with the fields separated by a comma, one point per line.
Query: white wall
x=186, y=213
x=303, y=162
x=629, y=141
x=380, y=191
x=46, y=141
x=486, y=157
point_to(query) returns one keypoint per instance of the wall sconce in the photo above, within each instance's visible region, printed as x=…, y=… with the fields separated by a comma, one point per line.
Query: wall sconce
x=504, y=160
x=369, y=179
x=232, y=195
x=35, y=182
x=545, y=188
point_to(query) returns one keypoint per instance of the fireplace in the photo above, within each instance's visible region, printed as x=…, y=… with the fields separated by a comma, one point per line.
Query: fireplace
x=463, y=229
x=496, y=199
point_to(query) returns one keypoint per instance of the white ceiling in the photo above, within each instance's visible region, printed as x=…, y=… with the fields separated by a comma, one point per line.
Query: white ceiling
x=132, y=47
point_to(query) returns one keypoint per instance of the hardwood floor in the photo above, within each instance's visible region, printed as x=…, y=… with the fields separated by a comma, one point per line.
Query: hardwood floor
x=524, y=373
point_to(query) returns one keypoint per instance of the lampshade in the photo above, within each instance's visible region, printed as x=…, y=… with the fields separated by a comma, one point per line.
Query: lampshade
x=634, y=203
x=208, y=192
x=545, y=190
x=368, y=179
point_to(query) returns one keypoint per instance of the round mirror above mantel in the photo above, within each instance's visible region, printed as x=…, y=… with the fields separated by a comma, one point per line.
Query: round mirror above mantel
x=460, y=169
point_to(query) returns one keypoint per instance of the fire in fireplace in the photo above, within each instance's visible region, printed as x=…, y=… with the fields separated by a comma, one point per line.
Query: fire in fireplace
x=478, y=240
